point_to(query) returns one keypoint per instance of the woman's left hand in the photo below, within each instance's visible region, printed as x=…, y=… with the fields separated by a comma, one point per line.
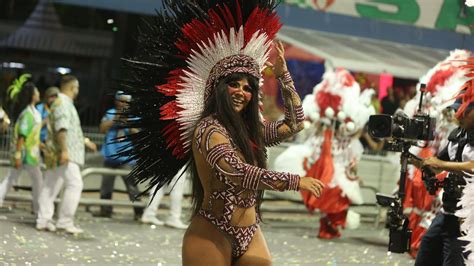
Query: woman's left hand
x=279, y=68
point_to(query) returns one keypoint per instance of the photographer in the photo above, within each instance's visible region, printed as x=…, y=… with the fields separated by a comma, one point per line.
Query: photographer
x=440, y=245
x=113, y=144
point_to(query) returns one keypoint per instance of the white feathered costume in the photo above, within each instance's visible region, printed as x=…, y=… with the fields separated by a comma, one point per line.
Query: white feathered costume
x=338, y=111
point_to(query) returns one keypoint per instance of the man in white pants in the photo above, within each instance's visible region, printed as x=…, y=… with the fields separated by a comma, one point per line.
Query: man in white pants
x=63, y=157
x=176, y=195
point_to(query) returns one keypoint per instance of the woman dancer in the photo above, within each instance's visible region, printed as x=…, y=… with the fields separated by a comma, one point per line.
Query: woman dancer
x=207, y=58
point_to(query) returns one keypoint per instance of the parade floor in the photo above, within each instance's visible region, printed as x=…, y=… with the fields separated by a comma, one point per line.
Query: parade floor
x=122, y=241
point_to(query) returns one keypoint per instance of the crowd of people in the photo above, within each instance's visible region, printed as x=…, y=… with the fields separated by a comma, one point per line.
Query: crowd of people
x=49, y=133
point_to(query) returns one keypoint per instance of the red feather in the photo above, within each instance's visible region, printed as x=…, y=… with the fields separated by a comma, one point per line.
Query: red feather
x=439, y=78
x=170, y=111
x=467, y=87
x=222, y=19
x=264, y=21
x=198, y=32
x=172, y=86
x=172, y=135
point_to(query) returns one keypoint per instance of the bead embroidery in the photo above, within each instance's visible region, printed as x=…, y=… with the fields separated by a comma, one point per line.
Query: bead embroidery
x=246, y=178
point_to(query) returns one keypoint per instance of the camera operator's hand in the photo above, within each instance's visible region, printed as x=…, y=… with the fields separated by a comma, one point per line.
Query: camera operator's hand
x=414, y=161
x=433, y=163
x=312, y=185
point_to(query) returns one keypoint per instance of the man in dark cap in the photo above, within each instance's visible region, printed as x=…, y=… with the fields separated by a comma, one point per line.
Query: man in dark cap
x=49, y=96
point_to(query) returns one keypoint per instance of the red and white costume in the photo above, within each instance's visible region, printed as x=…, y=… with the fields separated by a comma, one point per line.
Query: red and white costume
x=338, y=110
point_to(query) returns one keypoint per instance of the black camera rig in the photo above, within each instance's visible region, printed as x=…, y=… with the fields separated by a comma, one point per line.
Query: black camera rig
x=453, y=185
x=400, y=234
x=401, y=133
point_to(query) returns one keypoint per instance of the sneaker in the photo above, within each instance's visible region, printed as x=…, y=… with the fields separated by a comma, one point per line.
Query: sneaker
x=151, y=220
x=72, y=229
x=176, y=223
x=49, y=226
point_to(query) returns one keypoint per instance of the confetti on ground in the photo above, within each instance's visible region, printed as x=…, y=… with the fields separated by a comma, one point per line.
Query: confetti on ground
x=121, y=240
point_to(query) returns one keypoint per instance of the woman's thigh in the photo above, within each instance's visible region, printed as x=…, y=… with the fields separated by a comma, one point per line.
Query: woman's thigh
x=257, y=252
x=204, y=244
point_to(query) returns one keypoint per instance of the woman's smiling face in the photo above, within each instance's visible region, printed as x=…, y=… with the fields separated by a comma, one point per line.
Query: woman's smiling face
x=240, y=93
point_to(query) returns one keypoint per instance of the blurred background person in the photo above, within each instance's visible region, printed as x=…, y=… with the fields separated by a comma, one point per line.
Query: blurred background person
x=389, y=102
x=26, y=138
x=64, y=155
x=114, y=142
x=44, y=108
x=4, y=121
x=176, y=195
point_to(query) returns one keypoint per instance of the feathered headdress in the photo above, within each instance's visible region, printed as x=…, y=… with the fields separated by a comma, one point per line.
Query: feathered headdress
x=467, y=89
x=14, y=89
x=183, y=53
x=442, y=84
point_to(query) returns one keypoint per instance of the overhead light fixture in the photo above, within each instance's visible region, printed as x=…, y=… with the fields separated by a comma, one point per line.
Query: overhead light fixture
x=63, y=70
x=13, y=65
x=110, y=21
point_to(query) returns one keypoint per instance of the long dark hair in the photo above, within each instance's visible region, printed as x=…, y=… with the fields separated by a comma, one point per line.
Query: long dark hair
x=23, y=99
x=245, y=129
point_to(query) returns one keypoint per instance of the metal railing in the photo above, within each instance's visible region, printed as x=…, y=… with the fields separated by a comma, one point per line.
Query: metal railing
x=87, y=172
x=5, y=139
x=90, y=171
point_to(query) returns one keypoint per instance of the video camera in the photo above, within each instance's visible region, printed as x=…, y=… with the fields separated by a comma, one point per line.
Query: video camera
x=401, y=133
x=400, y=126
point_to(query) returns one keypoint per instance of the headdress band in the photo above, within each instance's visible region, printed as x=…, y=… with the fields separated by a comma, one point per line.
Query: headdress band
x=233, y=64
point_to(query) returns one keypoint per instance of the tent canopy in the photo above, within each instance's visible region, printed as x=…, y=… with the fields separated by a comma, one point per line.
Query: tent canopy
x=365, y=55
x=42, y=31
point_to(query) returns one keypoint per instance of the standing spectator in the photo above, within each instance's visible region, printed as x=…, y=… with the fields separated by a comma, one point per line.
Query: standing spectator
x=176, y=195
x=411, y=91
x=64, y=155
x=113, y=144
x=401, y=98
x=389, y=103
x=4, y=121
x=26, y=140
x=44, y=108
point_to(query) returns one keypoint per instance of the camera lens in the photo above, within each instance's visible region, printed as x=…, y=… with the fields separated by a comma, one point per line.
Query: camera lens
x=380, y=126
